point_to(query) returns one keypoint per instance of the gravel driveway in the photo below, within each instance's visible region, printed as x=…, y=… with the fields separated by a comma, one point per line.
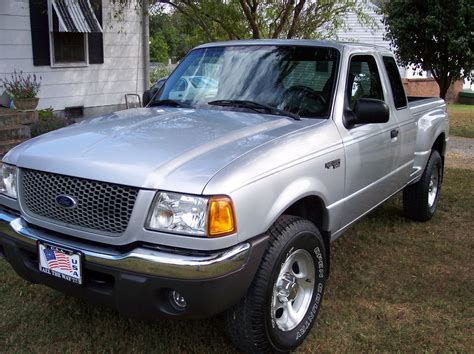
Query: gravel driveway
x=460, y=153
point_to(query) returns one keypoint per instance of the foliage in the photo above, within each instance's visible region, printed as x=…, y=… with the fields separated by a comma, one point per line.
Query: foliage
x=239, y=19
x=47, y=121
x=158, y=72
x=179, y=33
x=433, y=35
x=159, y=51
x=21, y=86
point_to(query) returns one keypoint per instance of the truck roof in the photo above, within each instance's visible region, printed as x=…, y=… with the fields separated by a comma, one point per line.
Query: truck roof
x=299, y=42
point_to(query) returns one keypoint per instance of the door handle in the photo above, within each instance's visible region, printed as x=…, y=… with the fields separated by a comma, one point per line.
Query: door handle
x=394, y=133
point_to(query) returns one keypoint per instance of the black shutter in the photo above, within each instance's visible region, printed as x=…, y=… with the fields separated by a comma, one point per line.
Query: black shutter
x=40, y=32
x=96, y=40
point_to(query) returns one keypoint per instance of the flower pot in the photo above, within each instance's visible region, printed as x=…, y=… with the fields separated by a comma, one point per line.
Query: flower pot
x=26, y=104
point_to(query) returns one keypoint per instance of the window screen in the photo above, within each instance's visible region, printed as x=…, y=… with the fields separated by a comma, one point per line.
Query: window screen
x=398, y=92
x=69, y=47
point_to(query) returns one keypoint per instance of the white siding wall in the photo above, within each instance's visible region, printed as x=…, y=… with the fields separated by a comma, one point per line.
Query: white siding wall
x=355, y=32
x=91, y=86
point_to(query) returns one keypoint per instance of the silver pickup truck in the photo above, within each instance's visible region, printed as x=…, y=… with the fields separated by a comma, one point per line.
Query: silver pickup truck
x=226, y=191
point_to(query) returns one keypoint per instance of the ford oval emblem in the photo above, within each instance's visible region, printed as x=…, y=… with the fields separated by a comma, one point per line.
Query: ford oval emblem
x=66, y=201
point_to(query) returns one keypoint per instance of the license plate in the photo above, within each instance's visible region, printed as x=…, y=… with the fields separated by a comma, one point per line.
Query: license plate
x=60, y=262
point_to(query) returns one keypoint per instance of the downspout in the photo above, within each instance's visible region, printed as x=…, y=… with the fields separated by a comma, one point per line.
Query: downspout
x=146, y=45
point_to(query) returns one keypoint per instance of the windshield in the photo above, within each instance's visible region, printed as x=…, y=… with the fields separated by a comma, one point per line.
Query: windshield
x=295, y=79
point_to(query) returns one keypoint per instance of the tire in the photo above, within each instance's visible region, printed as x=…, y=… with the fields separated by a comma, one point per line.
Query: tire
x=261, y=321
x=421, y=198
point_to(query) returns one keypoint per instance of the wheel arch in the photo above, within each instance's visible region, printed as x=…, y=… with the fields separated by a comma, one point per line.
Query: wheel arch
x=440, y=144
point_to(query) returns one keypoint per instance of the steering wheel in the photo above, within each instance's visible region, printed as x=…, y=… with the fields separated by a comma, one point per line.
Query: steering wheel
x=299, y=92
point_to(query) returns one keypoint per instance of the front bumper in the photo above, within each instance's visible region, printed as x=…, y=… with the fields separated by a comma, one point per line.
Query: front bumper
x=137, y=280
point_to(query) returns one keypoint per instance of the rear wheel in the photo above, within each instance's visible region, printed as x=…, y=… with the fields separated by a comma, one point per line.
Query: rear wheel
x=284, y=299
x=421, y=198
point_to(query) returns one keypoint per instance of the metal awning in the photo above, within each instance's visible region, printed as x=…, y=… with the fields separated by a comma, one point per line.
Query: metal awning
x=76, y=16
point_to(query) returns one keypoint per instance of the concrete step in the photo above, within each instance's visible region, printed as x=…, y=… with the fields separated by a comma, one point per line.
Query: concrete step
x=7, y=120
x=14, y=132
x=13, y=117
x=6, y=145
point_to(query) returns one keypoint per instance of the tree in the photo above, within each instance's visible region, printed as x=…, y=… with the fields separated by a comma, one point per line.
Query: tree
x=179, y=33
x=158, y=48
x=239, y=19
x=434, y=35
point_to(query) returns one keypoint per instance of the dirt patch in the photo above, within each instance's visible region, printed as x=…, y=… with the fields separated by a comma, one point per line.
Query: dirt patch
x=460, y=153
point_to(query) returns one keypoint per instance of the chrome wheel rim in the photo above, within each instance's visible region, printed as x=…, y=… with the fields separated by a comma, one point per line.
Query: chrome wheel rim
x=293, y=290
x=433, y=186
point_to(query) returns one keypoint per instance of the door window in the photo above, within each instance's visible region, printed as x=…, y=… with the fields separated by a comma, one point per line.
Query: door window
x=364, y=80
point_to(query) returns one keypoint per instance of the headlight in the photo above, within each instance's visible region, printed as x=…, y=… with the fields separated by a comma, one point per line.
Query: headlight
x=8, y=181
x=192, y=215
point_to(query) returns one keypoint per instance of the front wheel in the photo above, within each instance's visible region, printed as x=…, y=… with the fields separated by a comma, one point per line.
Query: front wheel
x=421, y=198
x=284, y=299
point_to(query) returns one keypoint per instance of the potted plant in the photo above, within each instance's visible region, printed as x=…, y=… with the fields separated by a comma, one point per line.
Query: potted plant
x=23, y=89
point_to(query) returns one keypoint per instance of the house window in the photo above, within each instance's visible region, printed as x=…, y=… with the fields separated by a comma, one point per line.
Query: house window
x=71, y=22
x=69, y=47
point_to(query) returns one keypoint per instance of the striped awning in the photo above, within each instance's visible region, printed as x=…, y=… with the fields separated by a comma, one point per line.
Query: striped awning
x=76, y=16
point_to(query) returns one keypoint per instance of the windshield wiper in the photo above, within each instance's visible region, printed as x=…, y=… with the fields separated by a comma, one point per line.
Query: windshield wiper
x=168, y=102
x=255, y=106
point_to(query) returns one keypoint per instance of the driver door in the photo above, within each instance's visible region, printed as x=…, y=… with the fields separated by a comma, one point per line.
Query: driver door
x=370, y=149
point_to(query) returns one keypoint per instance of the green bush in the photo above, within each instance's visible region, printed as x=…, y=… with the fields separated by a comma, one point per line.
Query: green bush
x=48, y=121
x=158, y=72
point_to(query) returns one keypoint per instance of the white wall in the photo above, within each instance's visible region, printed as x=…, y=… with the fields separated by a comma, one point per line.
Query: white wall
x=92, y=86
x=355, y=32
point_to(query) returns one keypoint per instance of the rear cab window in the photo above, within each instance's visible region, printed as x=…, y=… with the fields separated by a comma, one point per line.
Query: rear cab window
x=398, y=92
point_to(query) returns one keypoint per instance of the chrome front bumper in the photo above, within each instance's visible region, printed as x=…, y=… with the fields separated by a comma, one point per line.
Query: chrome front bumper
x=142, y=260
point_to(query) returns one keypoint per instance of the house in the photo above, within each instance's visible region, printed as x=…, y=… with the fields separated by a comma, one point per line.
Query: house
x=87, y=58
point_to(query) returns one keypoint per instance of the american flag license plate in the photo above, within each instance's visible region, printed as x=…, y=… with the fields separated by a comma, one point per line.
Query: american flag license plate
x=61, y=263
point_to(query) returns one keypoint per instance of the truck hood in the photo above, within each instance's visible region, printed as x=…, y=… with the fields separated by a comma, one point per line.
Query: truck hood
x=157, y=148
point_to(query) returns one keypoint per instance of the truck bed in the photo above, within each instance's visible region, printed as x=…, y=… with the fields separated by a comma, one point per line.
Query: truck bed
x=419, y=105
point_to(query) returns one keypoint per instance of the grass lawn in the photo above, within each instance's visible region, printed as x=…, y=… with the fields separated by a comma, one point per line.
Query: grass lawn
x=395, y=285
x=461, y=120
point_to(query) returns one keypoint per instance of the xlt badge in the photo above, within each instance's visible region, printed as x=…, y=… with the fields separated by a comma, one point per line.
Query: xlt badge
x=333, y=164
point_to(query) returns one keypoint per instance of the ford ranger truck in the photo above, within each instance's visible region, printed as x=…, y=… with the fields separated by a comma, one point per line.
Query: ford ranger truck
x=225, y=192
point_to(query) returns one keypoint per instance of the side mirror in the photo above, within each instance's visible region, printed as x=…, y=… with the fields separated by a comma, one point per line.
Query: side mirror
x=146, y=98
x=368, y=111
x=148, y=94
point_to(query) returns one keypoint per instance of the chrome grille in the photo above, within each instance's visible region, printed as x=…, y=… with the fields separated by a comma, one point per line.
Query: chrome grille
x=100, y=206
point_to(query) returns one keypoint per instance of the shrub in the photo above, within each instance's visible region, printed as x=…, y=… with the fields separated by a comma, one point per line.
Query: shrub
x=48, y=121
x=158, y=72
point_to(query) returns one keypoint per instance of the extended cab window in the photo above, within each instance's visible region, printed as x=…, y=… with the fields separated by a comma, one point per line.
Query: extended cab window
x=398, y=92
x=364, y=79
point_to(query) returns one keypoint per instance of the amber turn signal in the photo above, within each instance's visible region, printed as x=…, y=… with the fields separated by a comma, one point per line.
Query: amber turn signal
x=221, y=217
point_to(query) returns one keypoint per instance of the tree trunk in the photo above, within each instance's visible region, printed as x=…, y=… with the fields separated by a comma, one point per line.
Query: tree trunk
x=250, y=12
x=296, y=17
x=444, y=81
